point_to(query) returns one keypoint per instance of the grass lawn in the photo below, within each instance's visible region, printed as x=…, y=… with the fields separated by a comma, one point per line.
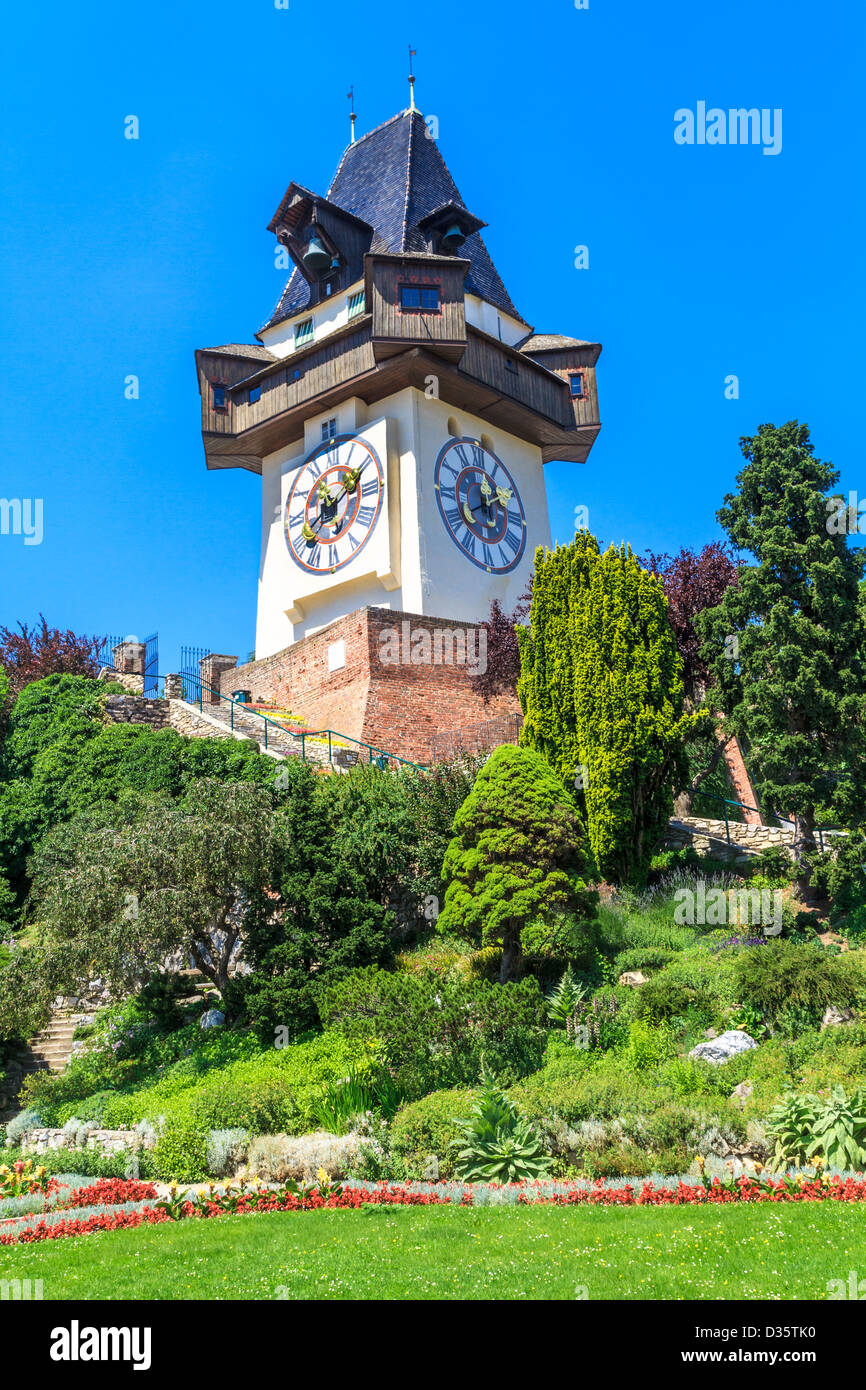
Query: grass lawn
x=776, y=1252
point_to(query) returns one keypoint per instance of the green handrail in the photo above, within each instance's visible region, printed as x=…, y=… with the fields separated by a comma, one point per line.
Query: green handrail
x=377, y=755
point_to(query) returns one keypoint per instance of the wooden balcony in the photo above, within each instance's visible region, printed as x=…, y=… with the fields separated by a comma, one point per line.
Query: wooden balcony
x=376, y=355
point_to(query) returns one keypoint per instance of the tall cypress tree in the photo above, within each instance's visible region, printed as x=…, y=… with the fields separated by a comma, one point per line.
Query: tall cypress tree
x=602, y=694
x=786, y=645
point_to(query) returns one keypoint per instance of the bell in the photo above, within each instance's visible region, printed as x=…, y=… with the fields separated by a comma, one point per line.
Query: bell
x=453, y=239
x=315, y=257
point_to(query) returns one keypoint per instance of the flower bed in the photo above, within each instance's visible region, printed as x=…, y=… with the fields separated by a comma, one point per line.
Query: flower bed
x=114, y=1204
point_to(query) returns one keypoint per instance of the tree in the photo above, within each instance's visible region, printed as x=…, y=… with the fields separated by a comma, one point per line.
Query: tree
x=692, y=582
x=502, y=653
x=602, y=694
x=120, y=890
x=330, y=921
x=786, y=644
x=30, y=653
x=515, y=857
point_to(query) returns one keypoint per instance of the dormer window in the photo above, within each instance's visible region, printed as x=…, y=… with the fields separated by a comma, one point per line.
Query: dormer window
x=419, y=299
x=577, y=387
x=304, y=333
x=255, y=394
x=220, y=401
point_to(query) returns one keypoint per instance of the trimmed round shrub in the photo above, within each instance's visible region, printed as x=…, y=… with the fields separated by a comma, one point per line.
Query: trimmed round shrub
x=427, y=1127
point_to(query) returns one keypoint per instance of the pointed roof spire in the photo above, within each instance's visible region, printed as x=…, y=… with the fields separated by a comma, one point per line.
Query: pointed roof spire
x=351, y=100
x=413, y=52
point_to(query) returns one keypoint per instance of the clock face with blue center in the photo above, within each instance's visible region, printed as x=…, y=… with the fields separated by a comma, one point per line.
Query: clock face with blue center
x=333, y=504
x=480, y=506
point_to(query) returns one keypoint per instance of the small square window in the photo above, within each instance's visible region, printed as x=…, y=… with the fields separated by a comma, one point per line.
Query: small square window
x=511, y=365
x=304, y=333
x=357, y=304
x=219, y=396
x=329, y=428
x=576, y=380
x=255, y=394
x=419, y=298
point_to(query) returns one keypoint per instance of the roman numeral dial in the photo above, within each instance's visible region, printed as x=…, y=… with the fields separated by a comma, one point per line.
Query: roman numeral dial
x=333, y=504
x=480, y=506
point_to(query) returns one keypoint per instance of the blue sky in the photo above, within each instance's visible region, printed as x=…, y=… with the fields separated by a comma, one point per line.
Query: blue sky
x=121, y=257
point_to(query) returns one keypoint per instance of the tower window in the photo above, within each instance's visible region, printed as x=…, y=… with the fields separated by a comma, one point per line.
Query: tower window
x=357, y=304
x=576, y=380
x=511, y=365
x=419, y=299
x=219, y=396
x=304, y=333
x=255, y=393
x=329, y=428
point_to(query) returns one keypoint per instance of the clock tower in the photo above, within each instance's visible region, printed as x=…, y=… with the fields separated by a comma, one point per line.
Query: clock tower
x=400, y=411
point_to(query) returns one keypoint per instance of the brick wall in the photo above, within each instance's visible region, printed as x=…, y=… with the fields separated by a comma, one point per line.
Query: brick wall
x=402, y=682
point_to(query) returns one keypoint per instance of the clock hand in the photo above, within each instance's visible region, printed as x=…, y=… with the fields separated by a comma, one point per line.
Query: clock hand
x=468, y=513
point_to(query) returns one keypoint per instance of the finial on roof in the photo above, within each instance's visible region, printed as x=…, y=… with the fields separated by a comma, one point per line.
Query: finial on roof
x=412, y=54
x=351, y=99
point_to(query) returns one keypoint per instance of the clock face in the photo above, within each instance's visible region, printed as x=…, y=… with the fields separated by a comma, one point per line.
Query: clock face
x=333, y=504
x=480, y=506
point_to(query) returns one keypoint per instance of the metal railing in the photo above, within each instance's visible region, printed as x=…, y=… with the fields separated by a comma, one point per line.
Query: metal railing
x=377, y=757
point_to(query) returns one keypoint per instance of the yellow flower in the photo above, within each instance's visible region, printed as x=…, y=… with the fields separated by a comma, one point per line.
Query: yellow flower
x=701, y=1162
x=322, y=1176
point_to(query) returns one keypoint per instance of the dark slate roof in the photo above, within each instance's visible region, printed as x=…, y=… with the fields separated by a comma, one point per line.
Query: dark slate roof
x=393, y=178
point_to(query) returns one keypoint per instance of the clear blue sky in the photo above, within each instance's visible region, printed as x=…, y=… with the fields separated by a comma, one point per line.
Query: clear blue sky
x=120, y=257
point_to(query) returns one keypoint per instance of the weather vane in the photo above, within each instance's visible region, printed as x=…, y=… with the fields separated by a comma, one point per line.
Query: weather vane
x=351, y=100
x=413, y=53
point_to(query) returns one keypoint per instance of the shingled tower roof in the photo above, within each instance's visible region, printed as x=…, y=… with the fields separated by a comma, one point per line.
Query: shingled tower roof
x=393, y=178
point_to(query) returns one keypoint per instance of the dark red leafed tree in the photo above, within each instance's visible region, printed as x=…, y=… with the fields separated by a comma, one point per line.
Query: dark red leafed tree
x=692, y=582
x=503, y=657
x=29, y=653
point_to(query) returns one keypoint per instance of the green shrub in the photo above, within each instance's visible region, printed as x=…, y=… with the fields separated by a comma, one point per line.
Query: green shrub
x=496, y=1142
x=181, y=1154
x=427, y=1128
x=792, y=984
x=433, y=1033
x=643, y=958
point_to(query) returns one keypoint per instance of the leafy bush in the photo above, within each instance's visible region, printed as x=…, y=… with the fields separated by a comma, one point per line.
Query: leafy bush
x=791, y=983
x=498, y=1143
x=434, y=1033
x=426, y=1129
x=803, y=1127
x=181, y=1154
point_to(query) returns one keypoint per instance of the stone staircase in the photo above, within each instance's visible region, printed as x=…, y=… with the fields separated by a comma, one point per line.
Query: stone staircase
x=233, y=721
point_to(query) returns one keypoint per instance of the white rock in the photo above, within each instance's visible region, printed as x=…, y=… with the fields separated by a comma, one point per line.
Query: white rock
x=725, y=1046
x=212, y=1019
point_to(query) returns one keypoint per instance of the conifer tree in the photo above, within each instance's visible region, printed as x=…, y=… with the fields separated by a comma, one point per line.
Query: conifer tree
x=602, y=694
x=786, y=645
x=515, y=857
